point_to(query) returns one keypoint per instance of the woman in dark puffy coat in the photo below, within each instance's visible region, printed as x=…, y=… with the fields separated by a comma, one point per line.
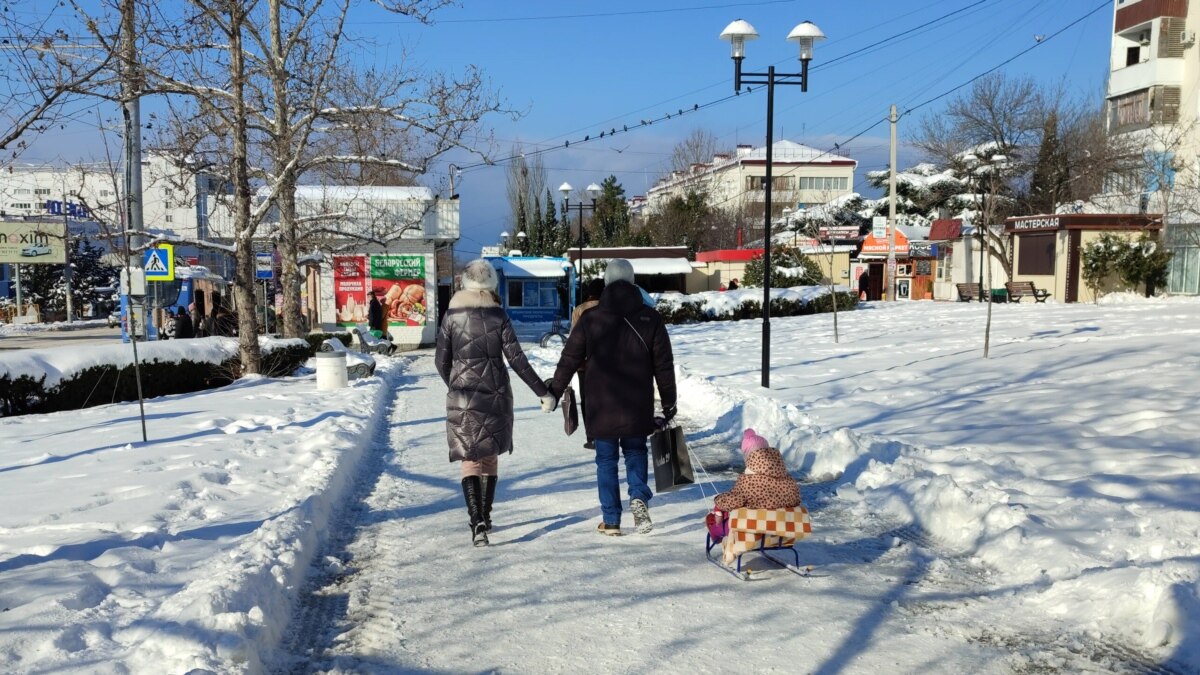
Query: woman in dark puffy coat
x=475, y=340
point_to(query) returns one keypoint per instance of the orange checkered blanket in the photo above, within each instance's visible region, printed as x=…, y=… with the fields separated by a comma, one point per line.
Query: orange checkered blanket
x=770, y=527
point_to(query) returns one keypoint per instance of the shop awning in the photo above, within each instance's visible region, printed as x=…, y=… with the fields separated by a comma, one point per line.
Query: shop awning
x=530, y=267
x=653, y=266
x=874, y=247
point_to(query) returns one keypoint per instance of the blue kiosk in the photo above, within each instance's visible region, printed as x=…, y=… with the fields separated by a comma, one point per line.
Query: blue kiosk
x=535, y=288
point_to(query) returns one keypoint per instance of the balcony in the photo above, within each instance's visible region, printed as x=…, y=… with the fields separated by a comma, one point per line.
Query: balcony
x=1144, y=75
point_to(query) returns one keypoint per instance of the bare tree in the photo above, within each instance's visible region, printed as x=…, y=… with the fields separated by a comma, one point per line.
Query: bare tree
x=46, y=68
x=526, y=183
x=698, y=148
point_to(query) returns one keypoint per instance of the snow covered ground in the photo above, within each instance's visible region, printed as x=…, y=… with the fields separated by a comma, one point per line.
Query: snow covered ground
x=1033, y=512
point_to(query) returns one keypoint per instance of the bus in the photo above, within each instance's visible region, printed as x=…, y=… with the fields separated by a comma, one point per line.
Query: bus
x=195, y=289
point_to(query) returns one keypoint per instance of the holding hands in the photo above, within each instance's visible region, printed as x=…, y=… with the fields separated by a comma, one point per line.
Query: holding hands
x=549, y=403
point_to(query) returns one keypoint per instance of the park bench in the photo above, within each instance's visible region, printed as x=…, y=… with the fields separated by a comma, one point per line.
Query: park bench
x=1019, y=289
x=969, y=292
x=371, y=344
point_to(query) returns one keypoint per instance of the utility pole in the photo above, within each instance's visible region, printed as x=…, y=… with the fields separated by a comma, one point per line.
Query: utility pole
x=131, y=91
x=889, y=276
x=67, y=273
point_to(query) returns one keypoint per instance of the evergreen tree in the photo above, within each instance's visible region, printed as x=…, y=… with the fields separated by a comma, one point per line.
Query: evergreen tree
x=788, y=269
x=1049, y=183
x=520, y=226
x=91, y=280
x=611, y=217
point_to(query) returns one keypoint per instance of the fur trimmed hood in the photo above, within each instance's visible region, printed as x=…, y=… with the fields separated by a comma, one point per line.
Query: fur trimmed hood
x=472, y=299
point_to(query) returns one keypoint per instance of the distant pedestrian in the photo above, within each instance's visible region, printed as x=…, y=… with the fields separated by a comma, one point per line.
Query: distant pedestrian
x=375, y=314
x=733, y=284
x=627, y=351
x=864, y=285
x=475, y=340
x=183, y=325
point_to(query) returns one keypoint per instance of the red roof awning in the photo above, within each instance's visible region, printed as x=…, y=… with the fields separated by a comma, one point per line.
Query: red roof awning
x=946, y=229
x=728, y=255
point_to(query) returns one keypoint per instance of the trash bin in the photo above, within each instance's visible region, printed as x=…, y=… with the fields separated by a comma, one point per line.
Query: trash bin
x=999, y=295
x=331, y=370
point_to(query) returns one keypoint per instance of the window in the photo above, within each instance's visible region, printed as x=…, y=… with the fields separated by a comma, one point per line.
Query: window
x=1035, y=254
x=824, y=183
x=756, y=183
x=533, y=294
x=168, y=192
x=516, y=294
x=19, y=205
x=1133, y=56
x=41, y=191
x=169, y=218
x=21, y=191
x=105, y=193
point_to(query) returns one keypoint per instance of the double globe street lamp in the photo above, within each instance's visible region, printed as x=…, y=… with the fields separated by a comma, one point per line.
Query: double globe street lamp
x=738, y=34
x=593, y=192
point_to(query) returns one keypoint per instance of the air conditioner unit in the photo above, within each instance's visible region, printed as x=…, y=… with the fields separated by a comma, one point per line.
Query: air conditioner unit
x=1187, y=37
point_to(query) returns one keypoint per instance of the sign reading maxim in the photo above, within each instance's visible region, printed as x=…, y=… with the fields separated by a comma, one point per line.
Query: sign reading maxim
x=32, y=243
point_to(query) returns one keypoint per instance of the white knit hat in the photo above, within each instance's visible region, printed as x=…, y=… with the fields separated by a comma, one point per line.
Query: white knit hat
x=618, y=269
x=479, y=276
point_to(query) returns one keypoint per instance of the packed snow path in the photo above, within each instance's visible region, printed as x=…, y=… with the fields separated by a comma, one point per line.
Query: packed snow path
x=401, y=589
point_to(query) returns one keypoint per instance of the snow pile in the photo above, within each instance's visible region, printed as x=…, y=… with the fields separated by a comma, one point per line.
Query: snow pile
x=25, y=328
x=59, y=364
x=716, y=303
x=184, y=552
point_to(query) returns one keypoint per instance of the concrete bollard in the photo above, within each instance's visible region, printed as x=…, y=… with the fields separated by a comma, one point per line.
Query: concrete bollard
x=331, y=370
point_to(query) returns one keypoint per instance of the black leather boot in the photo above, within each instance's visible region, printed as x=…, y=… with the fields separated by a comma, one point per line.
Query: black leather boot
x=473, y=495
x=489, y=493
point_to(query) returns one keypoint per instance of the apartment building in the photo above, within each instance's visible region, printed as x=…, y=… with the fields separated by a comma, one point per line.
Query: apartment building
x=175, y=199
x=1154, y=99
x=801, y=176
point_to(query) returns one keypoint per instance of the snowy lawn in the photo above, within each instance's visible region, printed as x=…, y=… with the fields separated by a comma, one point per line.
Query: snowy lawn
x=183, y=552
x=1033, y=512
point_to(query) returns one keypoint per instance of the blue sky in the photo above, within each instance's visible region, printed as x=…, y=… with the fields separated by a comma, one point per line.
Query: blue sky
x=573, y=69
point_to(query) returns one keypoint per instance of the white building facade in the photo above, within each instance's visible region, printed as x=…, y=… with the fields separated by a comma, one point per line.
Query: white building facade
x=801, y=177
x=1154, y=98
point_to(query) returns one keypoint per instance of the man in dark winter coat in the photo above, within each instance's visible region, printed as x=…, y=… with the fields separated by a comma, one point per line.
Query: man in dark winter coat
x=474, y=343
x=183, y=325
x=627, y=351
x=375, y=314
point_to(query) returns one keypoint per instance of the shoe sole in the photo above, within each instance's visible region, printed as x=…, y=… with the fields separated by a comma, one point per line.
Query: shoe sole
x=641, y=517
x=609, y=533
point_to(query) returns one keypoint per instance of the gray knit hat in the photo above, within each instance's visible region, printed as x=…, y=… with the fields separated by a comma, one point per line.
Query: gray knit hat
x=618, y=269
x=479, y=275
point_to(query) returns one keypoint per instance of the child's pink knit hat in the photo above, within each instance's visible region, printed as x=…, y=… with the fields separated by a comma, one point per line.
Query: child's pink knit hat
x=752, y=441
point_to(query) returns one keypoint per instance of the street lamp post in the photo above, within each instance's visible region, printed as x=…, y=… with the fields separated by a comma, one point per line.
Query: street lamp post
x=738, y=34
x=593, y=191
x=504, y=243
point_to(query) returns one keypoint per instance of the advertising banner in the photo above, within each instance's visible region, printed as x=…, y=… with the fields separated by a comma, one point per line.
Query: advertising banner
x=399, y=280
x=350, y=289
x=30, y=243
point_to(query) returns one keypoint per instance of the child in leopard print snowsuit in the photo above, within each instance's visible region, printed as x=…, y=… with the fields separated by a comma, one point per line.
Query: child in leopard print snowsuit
x=766, y=483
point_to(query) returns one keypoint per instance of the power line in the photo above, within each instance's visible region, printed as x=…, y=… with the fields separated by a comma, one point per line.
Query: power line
x=595, y=15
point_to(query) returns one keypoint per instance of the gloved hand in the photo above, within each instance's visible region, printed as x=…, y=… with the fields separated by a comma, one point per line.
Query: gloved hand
x=549, y=403
x=549, y=387
x=669, y=412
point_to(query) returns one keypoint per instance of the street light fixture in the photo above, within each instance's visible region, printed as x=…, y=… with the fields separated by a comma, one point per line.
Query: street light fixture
x=593, y=191
x=738, y=33
x=521, y=239
x=504, y=242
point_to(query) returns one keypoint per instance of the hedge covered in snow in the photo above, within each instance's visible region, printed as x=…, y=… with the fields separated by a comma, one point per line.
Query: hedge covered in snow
x=746, y=303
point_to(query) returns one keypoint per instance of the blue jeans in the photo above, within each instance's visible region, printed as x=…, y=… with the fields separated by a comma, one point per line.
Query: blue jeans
x=609, y=485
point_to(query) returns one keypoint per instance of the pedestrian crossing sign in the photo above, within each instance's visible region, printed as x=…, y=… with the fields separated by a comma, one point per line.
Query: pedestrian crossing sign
x=159, y=263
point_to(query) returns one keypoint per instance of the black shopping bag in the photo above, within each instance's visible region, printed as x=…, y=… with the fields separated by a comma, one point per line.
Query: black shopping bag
x=570, y=411
x=672, y=465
